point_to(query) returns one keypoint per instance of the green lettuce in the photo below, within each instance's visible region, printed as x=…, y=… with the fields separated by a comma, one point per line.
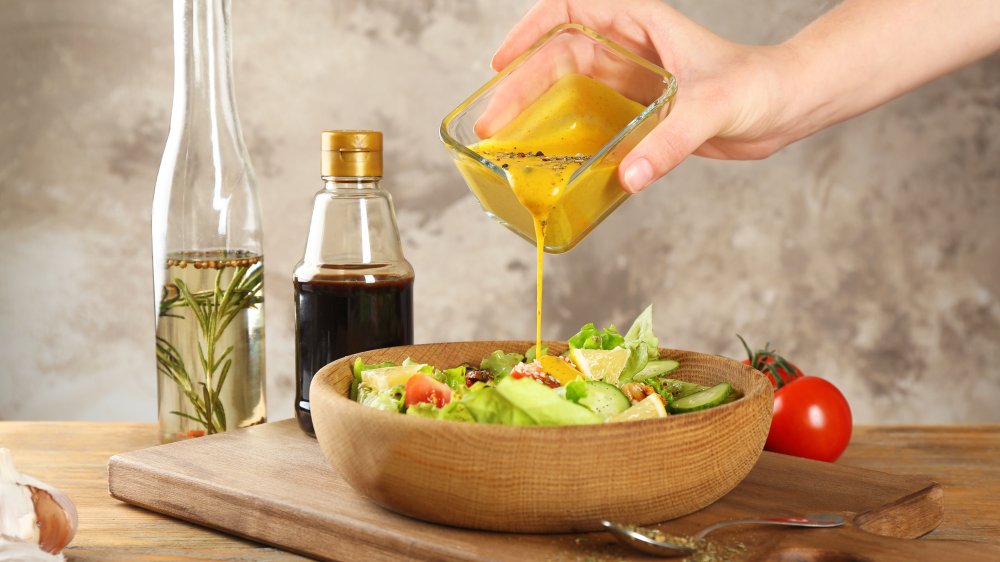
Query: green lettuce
x=641, y=334
x=532, y=353
x=452, y=411
x=360, y=367
x=423, y=410
x=454, y=377
x=499, y=364
x=390, y=400
x=576, y=391
x=424, y=368
x=542, y=404
x=487, y=405
x=590, y=338
x=642, y=343
x=510, y=402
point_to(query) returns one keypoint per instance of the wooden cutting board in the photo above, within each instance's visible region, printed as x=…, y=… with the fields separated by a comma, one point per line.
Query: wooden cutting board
x=270, y=483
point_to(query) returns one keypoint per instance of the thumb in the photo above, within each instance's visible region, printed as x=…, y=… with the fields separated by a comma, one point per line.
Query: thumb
x=685, y=129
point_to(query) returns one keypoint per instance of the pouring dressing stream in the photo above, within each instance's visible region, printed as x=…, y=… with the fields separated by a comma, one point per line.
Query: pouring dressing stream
x=547, y=143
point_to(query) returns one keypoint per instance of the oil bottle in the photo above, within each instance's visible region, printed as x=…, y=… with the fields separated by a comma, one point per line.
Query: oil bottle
x=208, y=265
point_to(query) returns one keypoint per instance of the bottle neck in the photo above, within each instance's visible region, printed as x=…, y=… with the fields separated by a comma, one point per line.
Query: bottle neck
x=331, y=183
x=205, y=197
x=203, y=70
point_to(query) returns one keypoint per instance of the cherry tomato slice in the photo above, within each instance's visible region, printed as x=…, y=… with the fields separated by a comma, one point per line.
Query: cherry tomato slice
x=422, y=388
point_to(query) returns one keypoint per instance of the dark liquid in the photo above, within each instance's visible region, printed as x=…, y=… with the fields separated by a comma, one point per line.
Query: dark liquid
x=338, y=316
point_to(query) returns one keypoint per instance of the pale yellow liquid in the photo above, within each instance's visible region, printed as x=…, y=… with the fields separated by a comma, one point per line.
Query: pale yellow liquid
x=550, y=140
x=240, y=345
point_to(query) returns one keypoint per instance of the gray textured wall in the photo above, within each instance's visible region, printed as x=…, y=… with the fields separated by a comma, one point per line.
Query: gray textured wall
x=869, y=253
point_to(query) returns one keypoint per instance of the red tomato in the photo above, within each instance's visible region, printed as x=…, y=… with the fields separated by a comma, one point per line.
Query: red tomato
x=811, y=419
x=422, y=388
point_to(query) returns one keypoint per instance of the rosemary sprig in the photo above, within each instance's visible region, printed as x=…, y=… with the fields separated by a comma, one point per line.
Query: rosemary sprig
x=170, y=364
x=212, y=310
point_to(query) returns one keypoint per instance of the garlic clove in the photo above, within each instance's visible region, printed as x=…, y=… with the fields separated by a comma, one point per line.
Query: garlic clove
x=57, y=519
x=32, y=511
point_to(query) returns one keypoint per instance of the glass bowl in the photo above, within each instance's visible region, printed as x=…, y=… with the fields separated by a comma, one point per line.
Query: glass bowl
x=593, y=191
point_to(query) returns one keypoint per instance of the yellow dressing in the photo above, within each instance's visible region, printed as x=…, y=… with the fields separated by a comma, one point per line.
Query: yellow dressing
x=543, y=147
x=539, y=281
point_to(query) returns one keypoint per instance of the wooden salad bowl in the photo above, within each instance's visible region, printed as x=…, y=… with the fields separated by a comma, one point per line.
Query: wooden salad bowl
x=541, y=479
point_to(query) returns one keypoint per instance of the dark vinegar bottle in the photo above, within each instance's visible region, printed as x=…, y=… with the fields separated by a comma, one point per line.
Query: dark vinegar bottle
x=353, y=287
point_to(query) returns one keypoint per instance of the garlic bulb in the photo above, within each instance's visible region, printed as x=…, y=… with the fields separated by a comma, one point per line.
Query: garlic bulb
x=32, y=513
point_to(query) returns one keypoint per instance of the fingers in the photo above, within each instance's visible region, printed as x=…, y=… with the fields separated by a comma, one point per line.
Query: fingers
x=536, y=74
x=545, y=15
x=686, y=128
x=516, y=92
x=626, y=22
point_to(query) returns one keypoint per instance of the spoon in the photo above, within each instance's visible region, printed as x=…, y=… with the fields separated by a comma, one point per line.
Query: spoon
x=643, y=539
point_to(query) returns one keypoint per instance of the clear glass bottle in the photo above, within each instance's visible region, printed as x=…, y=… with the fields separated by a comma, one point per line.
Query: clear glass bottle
x=207, y=251
x=353, y=287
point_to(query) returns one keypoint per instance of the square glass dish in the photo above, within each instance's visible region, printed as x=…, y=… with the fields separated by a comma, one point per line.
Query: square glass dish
x=642, y=92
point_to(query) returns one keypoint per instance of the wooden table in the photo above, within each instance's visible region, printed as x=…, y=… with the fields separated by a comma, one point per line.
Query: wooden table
x=73, y=456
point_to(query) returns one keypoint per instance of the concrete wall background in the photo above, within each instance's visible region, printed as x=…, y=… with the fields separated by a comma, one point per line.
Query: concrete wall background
x=870, y=253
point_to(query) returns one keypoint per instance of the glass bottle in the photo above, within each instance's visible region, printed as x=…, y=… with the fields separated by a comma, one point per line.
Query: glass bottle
x=207, y=251
x=353, y=287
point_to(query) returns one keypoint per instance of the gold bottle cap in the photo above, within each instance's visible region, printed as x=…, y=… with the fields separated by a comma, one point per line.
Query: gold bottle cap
x=354, y=154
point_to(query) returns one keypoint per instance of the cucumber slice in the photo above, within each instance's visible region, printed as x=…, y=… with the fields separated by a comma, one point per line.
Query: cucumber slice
x=701, y=400
x=733, y=397
x=677, y=388
x=604, y=399
x=655, y=369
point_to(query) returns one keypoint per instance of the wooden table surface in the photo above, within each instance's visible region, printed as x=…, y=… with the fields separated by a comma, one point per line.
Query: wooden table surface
x=73, y=456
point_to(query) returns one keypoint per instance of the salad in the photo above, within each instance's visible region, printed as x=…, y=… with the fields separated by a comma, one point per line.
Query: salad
x=603, y=377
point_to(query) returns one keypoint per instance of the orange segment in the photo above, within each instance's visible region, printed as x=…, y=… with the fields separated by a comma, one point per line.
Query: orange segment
x=559, y=369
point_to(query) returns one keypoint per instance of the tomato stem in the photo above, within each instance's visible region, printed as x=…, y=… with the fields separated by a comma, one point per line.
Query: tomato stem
x=767, y=361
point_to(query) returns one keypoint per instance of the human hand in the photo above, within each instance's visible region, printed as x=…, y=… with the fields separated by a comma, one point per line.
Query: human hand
x=729, y=99
x=746, y=102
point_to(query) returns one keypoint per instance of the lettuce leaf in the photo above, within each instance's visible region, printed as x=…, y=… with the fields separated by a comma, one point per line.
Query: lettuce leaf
x=390, y=400
x=642, y=343
x=489, y=406
x=511, y=402
x=423, y=410
x=637, y=360
x=499, y=364
x=360, y=367
x=424, y=368
x=454, y=377
x=590, y=338
x=453, y=411
x=542, y=404
x=532, y=353
x=641, y=332
x=576, y=391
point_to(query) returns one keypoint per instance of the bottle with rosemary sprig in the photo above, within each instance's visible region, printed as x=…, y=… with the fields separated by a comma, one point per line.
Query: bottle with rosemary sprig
x=207, y=251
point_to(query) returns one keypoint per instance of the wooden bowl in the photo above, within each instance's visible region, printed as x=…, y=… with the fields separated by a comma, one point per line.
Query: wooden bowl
x=541, y=479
